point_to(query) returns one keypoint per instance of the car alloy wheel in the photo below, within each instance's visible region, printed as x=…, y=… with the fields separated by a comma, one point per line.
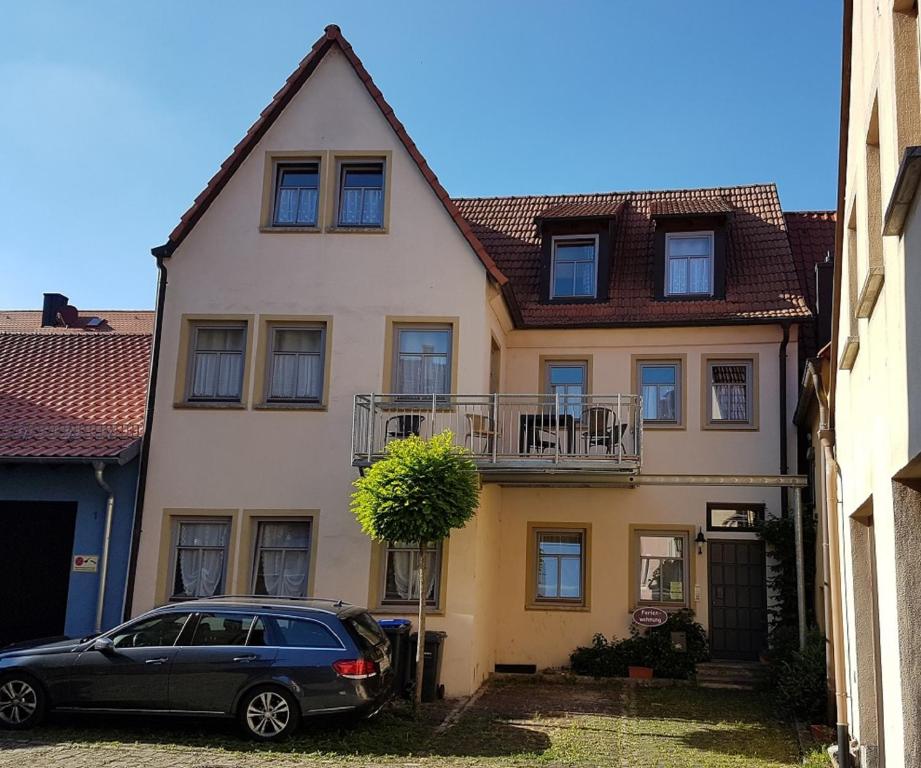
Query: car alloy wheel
x=19, y=703
x=268, y=714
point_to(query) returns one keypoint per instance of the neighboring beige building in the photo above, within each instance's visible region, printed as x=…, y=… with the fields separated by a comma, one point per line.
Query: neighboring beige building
x=868, y=448
x=324, y=262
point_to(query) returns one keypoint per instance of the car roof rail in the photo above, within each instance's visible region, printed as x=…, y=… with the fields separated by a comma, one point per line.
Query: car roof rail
x=339, y=603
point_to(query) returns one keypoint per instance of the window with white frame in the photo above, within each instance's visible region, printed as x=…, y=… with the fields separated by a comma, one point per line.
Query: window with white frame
x=217, y=362
x=660, y=383
x=282, y=560
x=199, y=558
x=401, y=574
x=730, y=400
x=574, y=270
x=297, y=195
x=361, y=195
x=296, y=364
x=422, y=360
x=689, y=264
x=663, y=567
x=560, y=558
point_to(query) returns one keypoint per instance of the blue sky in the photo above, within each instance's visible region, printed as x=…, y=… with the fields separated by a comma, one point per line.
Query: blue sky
x=113, y=115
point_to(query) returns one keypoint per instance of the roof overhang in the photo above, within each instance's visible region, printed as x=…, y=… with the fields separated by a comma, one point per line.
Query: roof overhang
x=124, y=456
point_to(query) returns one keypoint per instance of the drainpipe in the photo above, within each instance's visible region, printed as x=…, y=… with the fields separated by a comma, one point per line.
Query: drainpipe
x=98, y=469
x=832, y=470
x=160, y=253
x=782, y=368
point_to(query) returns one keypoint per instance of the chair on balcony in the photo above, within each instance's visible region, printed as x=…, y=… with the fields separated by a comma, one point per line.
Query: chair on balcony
x=540, y=432
x=483, y=428
x=600, y=427
x=402, y=426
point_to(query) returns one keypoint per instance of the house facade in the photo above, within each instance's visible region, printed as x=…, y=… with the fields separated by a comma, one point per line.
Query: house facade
x=324, y=295
x=864, y=392
x=72, y=395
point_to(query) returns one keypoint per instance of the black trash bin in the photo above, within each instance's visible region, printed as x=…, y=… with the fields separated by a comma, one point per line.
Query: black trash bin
x=402, y=654
x=431, y=670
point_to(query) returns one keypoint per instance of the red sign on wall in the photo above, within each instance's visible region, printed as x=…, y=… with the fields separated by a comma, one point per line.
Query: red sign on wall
x=650, y=617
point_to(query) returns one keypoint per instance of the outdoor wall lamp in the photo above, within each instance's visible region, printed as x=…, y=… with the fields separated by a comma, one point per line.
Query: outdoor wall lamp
x=700, y=541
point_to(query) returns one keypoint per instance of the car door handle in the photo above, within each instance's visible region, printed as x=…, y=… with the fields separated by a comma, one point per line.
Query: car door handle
x=241, y=659
x=162, y=660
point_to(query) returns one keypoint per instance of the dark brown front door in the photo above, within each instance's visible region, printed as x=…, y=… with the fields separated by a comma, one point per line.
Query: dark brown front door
x=738, y=599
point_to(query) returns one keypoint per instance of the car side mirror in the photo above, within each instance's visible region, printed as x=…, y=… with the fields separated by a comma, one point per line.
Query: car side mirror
x=103, y=645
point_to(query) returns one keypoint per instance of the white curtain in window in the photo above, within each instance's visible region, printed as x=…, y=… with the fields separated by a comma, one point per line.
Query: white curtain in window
x=402, y=574
x=218, y=363
x=699, y=271
x=350, y=207
x=423, y=374
x=284, y=557
x=201, y=557
x=307, y=207
x=372, y=207
x=677, y=276
x=296, y=376
x=730, y=392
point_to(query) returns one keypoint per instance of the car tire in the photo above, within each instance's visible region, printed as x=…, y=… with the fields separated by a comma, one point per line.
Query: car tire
x=22, y=702
x=268, y=713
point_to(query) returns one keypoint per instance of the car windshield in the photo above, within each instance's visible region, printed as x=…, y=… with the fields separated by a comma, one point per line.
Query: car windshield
x=153, y=631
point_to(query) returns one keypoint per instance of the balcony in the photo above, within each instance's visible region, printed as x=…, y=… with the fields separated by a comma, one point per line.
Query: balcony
x=510, y=435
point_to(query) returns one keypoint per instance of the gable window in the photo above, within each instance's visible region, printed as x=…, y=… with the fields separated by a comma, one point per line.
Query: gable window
x=199, y=558
x=217, y=363
x=568, y=380
x=296, y=364
x=660, y=383
x=297, y=195
x=282, y=558
x=662, y=576
x=574, y=269
x=730, y=400
x=422, y=364
x=560, y=573
x=689, y=264
x=401, y=574
x=361, y=195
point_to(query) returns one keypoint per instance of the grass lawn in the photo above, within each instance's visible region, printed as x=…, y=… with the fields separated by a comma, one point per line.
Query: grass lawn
x=516, y=723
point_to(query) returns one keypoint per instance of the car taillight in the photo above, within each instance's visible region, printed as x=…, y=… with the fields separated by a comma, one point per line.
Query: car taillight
x=355, y=669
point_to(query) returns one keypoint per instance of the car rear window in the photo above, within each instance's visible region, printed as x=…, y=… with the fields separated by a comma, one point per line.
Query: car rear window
x=365, y=630
x=286, y=632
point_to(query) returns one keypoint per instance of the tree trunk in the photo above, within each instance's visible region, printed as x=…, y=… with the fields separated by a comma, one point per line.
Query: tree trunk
x=420, y=644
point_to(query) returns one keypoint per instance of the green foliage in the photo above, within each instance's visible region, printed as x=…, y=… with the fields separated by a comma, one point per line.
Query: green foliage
x=418, y=492
x=797, y=680
x=779, y=535
x=652, y=648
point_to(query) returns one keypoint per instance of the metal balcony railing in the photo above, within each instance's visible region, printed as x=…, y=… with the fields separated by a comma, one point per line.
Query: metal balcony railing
x=508, y=431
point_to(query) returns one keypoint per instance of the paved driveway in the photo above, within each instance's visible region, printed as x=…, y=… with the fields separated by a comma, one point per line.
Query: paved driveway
x=515, y=723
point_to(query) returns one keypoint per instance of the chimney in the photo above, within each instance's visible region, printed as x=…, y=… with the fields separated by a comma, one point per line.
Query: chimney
x=53, y=304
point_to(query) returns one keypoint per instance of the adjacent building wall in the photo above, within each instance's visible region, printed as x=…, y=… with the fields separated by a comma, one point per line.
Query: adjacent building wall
x=76, y=483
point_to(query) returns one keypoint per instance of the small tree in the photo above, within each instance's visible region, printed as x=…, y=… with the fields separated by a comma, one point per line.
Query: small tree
x=417, y=494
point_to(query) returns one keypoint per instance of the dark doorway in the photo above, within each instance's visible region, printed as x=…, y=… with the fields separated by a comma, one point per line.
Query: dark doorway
x=35, y=549
x=738, y=599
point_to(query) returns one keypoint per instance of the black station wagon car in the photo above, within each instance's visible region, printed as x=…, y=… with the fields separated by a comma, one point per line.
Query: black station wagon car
x=266, y=661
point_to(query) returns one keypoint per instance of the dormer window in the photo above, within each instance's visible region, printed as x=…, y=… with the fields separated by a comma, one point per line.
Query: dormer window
x=689, y=264
x=574, y=268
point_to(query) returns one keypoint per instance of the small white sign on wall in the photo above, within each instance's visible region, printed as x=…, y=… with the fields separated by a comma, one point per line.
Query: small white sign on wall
x=86, y=563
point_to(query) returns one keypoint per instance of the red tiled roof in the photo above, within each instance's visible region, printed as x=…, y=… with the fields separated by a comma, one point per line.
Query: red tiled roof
x=582, y=211
x=761, y=280
x=70, y=393
x=117, y=321
x=333, y=36
x=690, y=205
x=812, y=238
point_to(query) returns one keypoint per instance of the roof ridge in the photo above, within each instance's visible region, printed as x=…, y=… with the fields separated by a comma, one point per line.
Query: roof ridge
x=623, y=193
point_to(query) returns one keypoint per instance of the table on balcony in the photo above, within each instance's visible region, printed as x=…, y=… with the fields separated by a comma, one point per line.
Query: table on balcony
x=530, y=424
